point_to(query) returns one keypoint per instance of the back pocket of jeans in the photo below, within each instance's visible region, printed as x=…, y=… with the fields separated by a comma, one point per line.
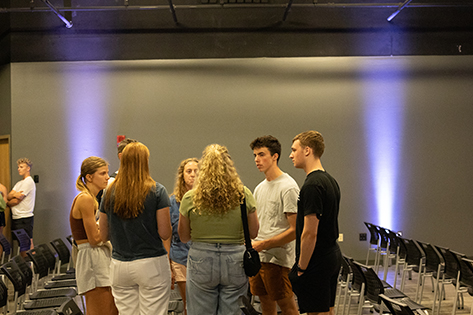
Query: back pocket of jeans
x=200, y=270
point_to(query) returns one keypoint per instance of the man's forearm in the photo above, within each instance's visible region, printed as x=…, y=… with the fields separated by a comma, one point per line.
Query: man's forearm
x=13, y=202
x=277, y=241
x=307, y=249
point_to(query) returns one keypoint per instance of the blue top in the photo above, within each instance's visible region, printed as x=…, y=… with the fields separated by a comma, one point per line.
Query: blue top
x=137, y=238
x=179, y=250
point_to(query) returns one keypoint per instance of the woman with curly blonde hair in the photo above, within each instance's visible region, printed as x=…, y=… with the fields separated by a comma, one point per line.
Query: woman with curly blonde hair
x=210, y=216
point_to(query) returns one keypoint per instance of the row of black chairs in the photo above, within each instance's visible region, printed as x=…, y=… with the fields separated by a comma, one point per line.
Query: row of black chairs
x=440, y=264
x=361, y=281
x=38, y=285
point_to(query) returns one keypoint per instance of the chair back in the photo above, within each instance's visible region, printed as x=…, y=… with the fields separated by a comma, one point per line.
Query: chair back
x=358, y=277
x=14, y=274
x=394, y=242
x=3, y=294
x=451, y=263
x=396, y=307
x=6, y=248
x=23, y=239
x=414, y=254
x=383, y=236
x=49, y=256
x=374, y=237
x=62, y=250
x=39, y=262
x=374, y=286
x=460, y=264
x=467, y=272
x=24, y=268
x=432, y=257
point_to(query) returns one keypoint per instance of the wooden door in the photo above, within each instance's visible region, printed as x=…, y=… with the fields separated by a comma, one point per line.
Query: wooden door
x=5, y=176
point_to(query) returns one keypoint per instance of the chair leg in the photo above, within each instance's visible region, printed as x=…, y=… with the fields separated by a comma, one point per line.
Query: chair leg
x=346, y=294
x=455, y=299
x=418, y=280
x=436, y=287
x=339, y=295
x=361, y=300
x=386, y=262
x=422, y=287
x=404, y=269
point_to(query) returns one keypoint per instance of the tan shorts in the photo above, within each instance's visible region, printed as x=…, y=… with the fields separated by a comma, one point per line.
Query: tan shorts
x=180, y=271
x=271, y=280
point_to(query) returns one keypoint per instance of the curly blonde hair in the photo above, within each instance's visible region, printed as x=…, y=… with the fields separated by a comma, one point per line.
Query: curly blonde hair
x=218, y=187
x=180, y=188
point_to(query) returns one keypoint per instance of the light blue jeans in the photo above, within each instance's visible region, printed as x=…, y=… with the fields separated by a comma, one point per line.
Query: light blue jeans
x=215, y=279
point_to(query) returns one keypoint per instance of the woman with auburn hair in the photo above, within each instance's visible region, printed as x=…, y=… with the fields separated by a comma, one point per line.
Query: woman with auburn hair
x=93, y=257
x=178, y=251
x=135, y=216
x=210, y=216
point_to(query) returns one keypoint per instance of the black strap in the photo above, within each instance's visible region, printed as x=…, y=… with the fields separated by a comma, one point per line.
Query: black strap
x=244, y=218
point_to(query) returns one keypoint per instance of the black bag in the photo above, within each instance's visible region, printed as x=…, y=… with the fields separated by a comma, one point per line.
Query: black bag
x=251, y=262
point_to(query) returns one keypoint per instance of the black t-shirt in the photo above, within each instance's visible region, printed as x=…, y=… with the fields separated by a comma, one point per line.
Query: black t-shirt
x=320, y=195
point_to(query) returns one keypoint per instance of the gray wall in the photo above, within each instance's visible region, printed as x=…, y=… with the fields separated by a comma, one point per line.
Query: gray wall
x=63, y=112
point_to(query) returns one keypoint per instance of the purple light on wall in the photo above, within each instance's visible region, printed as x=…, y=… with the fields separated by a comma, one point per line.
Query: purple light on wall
x=384, y=116
x=86, y=109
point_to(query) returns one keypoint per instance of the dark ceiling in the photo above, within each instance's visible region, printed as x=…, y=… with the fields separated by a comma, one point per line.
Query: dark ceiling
x=48, y=30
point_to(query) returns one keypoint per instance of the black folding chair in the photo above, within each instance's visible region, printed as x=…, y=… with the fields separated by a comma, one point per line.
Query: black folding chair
x=6, y=249
x=23, y=239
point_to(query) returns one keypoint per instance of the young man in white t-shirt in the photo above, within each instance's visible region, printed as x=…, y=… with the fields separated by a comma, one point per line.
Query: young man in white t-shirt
x=276, y=204
x=21, y=200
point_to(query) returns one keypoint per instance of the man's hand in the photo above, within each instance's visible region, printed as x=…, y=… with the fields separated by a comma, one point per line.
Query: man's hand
x=259, y=245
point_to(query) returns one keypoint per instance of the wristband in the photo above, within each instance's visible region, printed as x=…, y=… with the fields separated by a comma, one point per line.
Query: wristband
x=300, y=269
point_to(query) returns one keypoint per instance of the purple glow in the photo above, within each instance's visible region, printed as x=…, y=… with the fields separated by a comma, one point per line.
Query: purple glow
x=384, y=111
x=86, y=112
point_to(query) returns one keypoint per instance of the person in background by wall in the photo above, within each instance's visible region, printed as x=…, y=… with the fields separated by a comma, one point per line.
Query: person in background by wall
x=318, y=257
x=93, y=257
x=21, y=200
x=276, y=201
x=3, y=206
x=134, y=215
x=121, y=146
x=178, y=251
x=210, y=216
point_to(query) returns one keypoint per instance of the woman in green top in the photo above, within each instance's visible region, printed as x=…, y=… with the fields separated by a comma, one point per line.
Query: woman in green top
x=210, y=216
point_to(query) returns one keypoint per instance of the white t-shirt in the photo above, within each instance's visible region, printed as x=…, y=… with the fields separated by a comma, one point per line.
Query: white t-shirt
x=25, y=208
x=274, y=199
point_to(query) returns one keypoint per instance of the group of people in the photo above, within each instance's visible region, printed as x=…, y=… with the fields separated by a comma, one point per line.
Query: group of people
x=123, y=265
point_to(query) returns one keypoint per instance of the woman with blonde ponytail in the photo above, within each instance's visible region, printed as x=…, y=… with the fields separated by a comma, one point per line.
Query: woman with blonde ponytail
x=93, y=258
x=215, y=275
x=135, y=216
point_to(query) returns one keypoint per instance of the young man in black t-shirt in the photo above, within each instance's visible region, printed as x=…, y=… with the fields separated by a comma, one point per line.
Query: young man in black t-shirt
x=318, y=257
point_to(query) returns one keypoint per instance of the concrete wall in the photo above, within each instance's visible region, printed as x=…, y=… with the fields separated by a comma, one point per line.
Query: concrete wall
x=422, y=107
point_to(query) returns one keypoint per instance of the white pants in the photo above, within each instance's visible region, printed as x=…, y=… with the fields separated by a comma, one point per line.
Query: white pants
x=141, y=286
